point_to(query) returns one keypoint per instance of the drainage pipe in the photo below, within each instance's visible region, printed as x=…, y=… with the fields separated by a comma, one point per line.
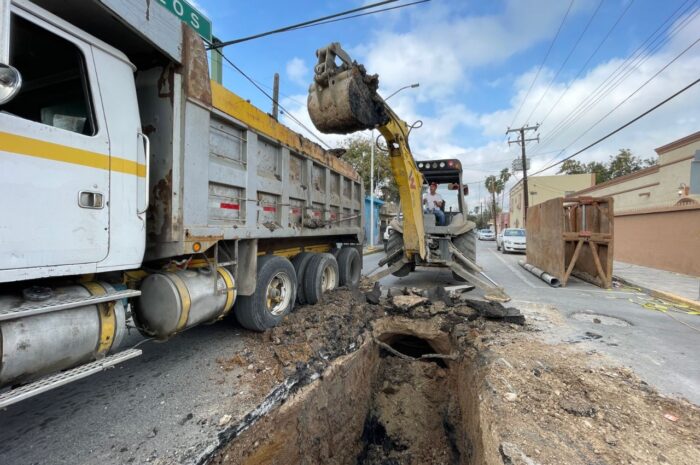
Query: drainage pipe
x=543, y=275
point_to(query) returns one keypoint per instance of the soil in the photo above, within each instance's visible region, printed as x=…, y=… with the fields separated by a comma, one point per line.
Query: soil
x=343, y=382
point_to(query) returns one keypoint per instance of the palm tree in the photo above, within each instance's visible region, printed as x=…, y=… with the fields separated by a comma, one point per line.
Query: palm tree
x=494, y=185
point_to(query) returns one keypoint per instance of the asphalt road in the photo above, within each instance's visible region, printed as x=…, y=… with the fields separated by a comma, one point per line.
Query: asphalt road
x=165, y=406
x=660, y=347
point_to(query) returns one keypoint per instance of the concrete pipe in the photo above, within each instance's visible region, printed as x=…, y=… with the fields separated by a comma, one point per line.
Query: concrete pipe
x=543, y=275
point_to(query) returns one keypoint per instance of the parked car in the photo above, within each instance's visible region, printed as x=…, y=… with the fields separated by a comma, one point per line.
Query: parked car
x=512, y=240
x=486, y=235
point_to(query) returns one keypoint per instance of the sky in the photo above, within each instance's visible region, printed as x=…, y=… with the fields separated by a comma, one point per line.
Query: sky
x=578, y=68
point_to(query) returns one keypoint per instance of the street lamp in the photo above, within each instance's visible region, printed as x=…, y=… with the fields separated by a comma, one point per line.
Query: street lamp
x=371, y=170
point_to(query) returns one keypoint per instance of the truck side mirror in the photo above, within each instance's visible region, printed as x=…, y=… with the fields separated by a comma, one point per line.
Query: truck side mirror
x=465, y=190
x=10, y=83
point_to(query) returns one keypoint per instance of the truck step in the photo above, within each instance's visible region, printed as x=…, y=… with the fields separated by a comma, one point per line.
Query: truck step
x=58, y=303
x=50, y=382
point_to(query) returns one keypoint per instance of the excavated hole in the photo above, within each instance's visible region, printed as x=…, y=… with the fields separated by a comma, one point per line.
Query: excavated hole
x=376, y=406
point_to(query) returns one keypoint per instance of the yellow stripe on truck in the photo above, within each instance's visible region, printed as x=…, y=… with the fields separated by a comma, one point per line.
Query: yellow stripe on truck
x=20, y=145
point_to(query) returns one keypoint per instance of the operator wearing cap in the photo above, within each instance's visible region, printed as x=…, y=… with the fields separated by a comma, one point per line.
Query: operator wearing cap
x=433, y=204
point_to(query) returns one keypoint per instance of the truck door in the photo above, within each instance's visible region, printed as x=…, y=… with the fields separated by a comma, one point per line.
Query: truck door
x=54, y=152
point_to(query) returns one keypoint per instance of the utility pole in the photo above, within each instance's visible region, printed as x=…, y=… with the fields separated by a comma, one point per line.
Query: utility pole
x=522, y=140
x=275, y=96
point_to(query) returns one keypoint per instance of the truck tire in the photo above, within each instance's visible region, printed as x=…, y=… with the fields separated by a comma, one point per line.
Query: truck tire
x=300, y=262
x=274, y=296
x=349, y=266
x=321, y=275
x=396, y=242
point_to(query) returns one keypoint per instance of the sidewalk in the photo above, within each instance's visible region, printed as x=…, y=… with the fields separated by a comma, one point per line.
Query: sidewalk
x=367, y=250
x=664, y=284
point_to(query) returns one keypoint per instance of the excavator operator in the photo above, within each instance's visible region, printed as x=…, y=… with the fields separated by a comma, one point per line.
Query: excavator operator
x=433, y=204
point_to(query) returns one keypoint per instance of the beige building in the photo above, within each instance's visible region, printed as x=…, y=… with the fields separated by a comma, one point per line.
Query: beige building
x=543, y=188
x=657, y=210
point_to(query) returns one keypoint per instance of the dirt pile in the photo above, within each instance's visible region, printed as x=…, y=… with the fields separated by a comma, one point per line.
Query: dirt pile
x=442, y=381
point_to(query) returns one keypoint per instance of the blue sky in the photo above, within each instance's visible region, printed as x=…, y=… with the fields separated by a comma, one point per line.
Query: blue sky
x=475, y=61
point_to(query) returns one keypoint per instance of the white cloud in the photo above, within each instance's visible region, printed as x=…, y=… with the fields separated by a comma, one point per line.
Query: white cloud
x=298, y=72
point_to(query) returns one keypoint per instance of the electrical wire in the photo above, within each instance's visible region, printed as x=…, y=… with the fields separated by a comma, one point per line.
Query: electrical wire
x=633, y=93
x=549, y=50
x=361, y=14
x=313, y=22
x=612, y=133
x=588, y=60
x=643, y=52
x=566, y=60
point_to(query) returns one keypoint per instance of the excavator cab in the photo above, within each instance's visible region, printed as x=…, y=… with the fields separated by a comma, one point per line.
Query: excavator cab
x=445, y=178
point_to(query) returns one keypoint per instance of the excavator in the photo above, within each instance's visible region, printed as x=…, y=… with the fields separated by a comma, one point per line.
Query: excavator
x=343, y=99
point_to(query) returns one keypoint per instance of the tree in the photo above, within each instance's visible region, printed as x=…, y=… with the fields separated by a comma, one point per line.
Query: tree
x=504, y=177
x=495, y=186
x=619, y=165
x=358, y=150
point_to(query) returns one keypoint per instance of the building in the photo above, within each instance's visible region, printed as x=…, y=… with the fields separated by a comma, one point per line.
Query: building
x=377, y=230
x=657, y=209
x=543, y=188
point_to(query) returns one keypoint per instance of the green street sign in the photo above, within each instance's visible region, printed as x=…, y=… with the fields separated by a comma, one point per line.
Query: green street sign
x=189, y=16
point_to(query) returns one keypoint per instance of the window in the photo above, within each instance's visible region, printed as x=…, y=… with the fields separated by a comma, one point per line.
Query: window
x=54, y=80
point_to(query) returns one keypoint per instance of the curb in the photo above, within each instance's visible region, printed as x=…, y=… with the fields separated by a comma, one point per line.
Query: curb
x=662, y=294
x=371, y=251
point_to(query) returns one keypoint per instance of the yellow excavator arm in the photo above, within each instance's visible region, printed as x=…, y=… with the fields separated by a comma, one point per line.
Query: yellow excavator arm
x=343, y=99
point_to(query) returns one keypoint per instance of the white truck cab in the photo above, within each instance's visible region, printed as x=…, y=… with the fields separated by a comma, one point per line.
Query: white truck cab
x=72, y=155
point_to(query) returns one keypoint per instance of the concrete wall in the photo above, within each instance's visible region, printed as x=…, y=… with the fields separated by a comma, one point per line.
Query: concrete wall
x=666, y=239
x=543, y=188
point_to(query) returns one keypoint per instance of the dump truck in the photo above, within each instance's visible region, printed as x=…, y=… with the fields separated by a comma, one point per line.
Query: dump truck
x=343, y=99
x=137, y=193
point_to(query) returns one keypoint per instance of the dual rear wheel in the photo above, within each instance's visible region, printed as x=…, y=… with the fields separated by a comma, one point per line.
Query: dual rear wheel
x=281, y=283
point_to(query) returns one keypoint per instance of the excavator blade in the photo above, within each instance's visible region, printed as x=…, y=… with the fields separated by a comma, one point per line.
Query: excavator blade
x=343, y=98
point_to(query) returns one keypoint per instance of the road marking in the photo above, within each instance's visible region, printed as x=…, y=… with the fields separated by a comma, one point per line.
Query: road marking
x=517, y=272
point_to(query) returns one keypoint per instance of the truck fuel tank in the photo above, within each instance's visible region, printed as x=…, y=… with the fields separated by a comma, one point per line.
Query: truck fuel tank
x=171, y=302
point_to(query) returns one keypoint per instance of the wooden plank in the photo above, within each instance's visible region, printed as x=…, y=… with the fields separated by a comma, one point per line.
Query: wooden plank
x=601, y=274
x=574, y=258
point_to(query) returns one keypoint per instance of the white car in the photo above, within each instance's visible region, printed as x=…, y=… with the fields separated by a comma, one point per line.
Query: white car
x=512, y=240
x=486, y=235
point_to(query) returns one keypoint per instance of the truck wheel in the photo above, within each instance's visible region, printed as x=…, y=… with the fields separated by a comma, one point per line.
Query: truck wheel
x=321, y=276
x=349, y=266
x=300, y=262
x=396, y=242
x=274, y=296
x=466, y=243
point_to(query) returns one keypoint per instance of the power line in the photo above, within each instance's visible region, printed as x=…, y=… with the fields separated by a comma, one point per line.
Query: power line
x=361, y=14
x=588, y=60
x=643, y=52
x=303, y=24
x=610, y=134
x=549, y=50
x=633, y=93
x=571, y=52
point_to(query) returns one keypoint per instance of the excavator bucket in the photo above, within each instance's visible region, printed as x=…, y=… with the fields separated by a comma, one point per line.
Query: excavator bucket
x=343, y=98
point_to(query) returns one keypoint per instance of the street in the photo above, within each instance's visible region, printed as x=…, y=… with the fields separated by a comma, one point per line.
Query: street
x=168, y=403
